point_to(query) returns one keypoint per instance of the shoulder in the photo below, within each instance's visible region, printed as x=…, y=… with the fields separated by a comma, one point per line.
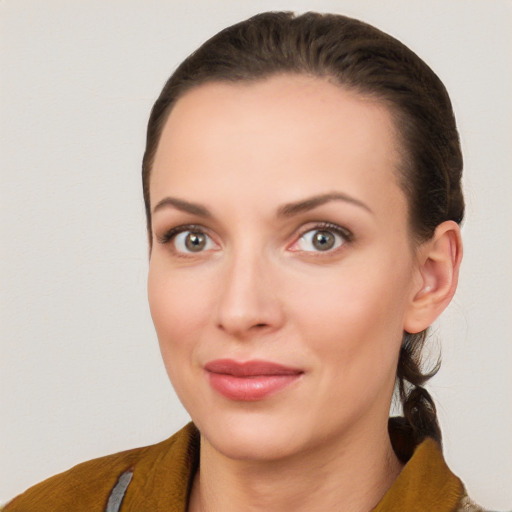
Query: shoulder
x=467, y=505
x=425, y=479
x=90, y=482
x=89, y=485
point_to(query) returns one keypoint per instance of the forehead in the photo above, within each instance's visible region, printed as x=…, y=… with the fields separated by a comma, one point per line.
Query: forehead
x=291, y=132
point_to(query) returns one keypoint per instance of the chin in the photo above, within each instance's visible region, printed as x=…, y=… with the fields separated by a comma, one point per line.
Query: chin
x=253, y=436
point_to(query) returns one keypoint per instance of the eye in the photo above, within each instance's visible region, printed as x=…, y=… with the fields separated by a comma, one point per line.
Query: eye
x=192, y=241
x=321, y=239
x=187, y=239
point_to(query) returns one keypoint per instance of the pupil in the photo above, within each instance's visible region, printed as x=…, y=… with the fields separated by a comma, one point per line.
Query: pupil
x=323, y=240
x=195, y=242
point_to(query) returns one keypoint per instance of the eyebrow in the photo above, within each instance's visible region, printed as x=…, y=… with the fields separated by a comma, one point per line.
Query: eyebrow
x=182, y=205
x=290, y=209
x=287, y=210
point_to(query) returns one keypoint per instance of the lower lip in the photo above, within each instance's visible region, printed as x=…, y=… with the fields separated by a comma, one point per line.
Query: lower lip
x=250, y=389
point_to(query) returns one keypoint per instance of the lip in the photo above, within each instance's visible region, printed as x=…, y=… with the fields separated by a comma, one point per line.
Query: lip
x=249, y=381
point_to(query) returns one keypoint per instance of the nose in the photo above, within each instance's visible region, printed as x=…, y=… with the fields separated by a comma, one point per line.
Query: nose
x=248, y=300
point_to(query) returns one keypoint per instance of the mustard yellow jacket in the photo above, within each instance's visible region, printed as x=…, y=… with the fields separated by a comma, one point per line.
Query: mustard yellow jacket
x=157, y=478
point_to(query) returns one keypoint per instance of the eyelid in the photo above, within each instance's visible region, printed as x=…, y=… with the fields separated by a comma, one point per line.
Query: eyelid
x=171, y=233
x=328, y=226
x=343, y=232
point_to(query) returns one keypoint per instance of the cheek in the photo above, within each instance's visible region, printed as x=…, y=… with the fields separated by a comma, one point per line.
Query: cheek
x=354, y=334
x=354, y=320
x=181, y=312
x=354, y=301
x=178, y=308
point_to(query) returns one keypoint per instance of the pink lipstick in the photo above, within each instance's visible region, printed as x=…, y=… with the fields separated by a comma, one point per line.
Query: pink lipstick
x=249, y=381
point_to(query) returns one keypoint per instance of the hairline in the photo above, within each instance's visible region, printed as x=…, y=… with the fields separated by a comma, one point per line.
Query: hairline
x=395, y=114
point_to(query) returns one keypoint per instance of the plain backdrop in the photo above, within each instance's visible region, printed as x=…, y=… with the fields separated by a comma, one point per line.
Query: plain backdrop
x=81, y=374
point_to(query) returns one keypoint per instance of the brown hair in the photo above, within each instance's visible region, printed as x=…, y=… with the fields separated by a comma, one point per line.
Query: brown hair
x=358, y=57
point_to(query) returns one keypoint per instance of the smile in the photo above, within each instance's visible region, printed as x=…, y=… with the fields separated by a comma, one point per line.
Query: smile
x=249, y=381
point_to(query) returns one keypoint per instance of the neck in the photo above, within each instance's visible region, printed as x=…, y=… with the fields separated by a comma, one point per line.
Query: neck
x=350, y=475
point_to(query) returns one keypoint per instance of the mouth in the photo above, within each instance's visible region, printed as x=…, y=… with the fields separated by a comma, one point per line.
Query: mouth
x=249, y=381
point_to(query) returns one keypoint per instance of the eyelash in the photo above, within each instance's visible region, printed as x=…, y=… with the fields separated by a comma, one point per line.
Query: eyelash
x=173, y=232
x=344, y=233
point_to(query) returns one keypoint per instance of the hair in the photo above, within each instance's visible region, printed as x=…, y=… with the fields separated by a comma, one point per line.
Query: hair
x=363, y=59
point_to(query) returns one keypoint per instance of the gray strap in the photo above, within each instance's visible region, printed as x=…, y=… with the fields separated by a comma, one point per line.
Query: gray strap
x=116, y=497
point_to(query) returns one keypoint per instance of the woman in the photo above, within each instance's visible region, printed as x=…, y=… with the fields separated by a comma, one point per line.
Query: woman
x=302, y=187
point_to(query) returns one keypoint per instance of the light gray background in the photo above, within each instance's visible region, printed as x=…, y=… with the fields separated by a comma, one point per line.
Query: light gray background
x=81, y=374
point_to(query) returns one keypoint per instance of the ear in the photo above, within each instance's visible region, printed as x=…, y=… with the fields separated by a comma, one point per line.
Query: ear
x=438, y=275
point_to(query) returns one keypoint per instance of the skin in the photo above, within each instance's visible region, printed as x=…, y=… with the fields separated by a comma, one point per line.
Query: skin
x=261, y=290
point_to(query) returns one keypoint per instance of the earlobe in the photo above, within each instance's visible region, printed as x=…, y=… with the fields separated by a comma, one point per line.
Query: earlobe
x=439, y=264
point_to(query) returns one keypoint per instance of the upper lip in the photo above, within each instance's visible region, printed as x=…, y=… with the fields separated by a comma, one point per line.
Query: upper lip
x=251, y=368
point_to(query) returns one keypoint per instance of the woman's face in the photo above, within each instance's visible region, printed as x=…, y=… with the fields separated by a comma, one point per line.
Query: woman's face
x=282, y=269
